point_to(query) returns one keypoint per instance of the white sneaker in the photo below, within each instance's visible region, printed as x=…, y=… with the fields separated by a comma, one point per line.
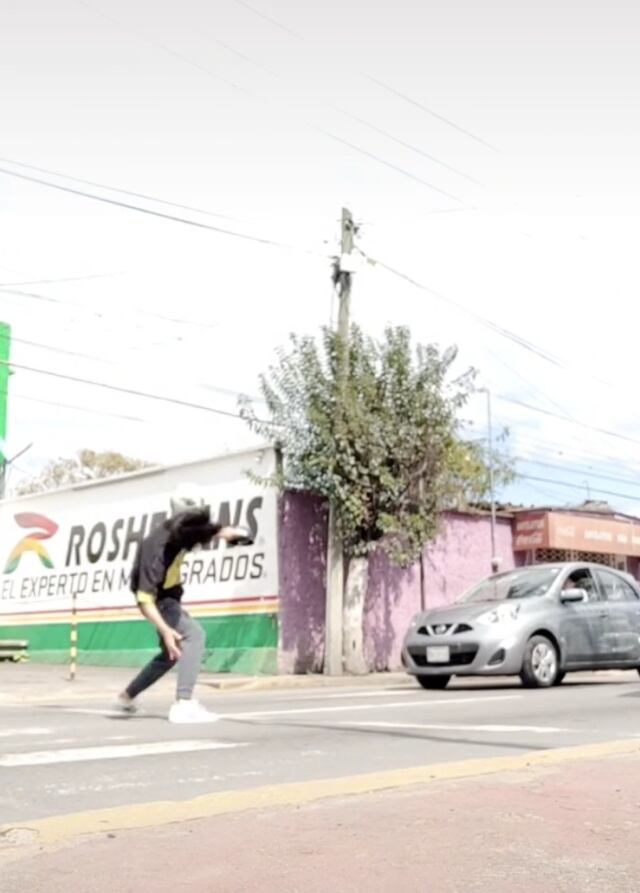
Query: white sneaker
x=191, y=712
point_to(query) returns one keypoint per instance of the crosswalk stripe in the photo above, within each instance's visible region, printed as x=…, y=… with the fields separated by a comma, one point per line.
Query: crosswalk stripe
x=425, y=703
x=447, y=727
x=27, y=731
x=111, y=752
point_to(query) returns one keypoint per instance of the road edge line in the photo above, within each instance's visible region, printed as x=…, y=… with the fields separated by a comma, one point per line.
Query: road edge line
x=55, y=831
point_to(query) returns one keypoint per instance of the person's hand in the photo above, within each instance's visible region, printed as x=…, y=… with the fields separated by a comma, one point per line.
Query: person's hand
x=236, y=536
x=172, y=640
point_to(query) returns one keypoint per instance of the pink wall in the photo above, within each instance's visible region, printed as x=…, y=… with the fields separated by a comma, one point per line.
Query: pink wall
x=459, y=557
x=393, y=597
x=302, y=546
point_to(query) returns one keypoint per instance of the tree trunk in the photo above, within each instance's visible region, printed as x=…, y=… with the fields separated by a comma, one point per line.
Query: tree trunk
x=353, y=616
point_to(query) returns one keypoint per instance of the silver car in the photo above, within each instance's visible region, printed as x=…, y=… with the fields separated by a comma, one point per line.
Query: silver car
x=537, y=622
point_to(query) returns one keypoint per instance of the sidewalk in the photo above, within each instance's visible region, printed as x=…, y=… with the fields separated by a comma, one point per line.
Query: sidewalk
x=569, y=828
x=40, y=683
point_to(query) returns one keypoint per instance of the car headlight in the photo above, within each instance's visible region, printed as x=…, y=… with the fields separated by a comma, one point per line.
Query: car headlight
x=501, y=614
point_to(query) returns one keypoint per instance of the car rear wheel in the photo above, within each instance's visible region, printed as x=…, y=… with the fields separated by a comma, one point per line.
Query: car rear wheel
x=559, y=677
x=540, y=665
x=433, y=681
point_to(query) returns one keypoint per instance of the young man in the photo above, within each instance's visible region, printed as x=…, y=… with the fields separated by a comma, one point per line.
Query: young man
x=156, y=582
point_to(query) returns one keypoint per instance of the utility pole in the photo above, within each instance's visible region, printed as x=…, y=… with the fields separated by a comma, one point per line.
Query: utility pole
x=333, y=662
x=492, y=488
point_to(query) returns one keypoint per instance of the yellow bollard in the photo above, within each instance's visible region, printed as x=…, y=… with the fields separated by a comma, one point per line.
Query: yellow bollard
x=73, y=638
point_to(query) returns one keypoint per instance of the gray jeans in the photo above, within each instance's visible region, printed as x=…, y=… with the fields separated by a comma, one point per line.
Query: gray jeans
x=192, y=647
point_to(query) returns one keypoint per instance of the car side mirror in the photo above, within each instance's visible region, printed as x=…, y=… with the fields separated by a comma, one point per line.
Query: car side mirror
x=573, y=596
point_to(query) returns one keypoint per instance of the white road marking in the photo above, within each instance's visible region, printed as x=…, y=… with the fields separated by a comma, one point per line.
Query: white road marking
x=442, y=727
x=348, y=693
x=294, y=711
x=107, y=711
x=112, y=752
x=17, y=733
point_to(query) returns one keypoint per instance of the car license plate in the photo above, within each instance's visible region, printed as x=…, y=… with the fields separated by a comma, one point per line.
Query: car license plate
x=438, y=654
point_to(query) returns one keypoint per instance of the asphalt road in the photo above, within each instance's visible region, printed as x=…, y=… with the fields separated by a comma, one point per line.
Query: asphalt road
x=67, y=757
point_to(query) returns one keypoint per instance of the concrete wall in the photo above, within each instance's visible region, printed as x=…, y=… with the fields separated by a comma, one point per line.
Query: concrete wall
x=458, y=558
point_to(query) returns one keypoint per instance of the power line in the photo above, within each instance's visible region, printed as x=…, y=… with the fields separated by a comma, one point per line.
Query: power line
x=53, y=349
x=533, y=386
x=545, y=450
x=151, y=198
x=99, y=314
x=277, y=24
x=429, y=111
x=482, y=320
x=172, y=217
x=268, y=19
x=574, y=486
x=76, y=408
x=406, y=145
x=66, y=352
x=132, y=392
x=557, y=415
x=490, y=324
x=58, y=281
x=359, y=120
x=328, y=133
x=579, y=470
x=393, y=167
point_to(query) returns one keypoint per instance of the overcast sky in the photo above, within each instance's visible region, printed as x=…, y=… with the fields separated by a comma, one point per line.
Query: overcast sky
x=524, y=217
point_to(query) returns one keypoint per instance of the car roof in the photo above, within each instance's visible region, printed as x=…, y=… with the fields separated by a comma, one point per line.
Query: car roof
x=571, y=565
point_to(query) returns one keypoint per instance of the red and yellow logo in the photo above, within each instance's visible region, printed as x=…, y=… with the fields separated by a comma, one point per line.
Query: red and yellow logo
x=41, y=529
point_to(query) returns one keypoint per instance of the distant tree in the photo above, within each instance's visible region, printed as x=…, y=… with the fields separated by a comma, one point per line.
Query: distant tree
x=86, y=465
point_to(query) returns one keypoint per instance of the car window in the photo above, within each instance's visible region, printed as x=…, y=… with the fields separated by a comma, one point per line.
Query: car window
x=583, y=579
x=526, y=582
x=614, y=588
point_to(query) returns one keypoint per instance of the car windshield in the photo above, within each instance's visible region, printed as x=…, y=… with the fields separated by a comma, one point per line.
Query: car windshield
x=529, y=582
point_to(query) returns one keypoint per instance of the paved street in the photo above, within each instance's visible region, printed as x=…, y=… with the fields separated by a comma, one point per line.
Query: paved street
x=276, y=750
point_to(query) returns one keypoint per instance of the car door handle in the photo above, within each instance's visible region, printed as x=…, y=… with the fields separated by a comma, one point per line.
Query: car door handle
x=603, y=614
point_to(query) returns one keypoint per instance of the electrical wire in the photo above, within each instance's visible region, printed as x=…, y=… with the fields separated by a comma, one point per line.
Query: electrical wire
x=76, y=408
x=575, y=469
x=133, y=392
x=153, y=213
x=327, y=133
x=493, y=326
x=58, y=281
x=353, y=117
x=100, y=314
x=557, y=415
x=627, y=496
x=483, y=320
x=151, y=198
x=277, y=24
x=87, y=356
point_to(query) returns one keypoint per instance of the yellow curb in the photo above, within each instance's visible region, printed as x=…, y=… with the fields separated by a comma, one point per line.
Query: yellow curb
x=62, y=829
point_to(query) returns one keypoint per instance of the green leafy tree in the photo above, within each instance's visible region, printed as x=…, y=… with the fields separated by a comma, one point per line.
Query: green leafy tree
x=386, y=448
x=383, y=443
x=86, y=465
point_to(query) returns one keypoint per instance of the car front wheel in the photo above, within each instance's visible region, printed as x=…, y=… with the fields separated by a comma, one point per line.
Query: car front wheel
x=432, y=682
x=540, y=666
